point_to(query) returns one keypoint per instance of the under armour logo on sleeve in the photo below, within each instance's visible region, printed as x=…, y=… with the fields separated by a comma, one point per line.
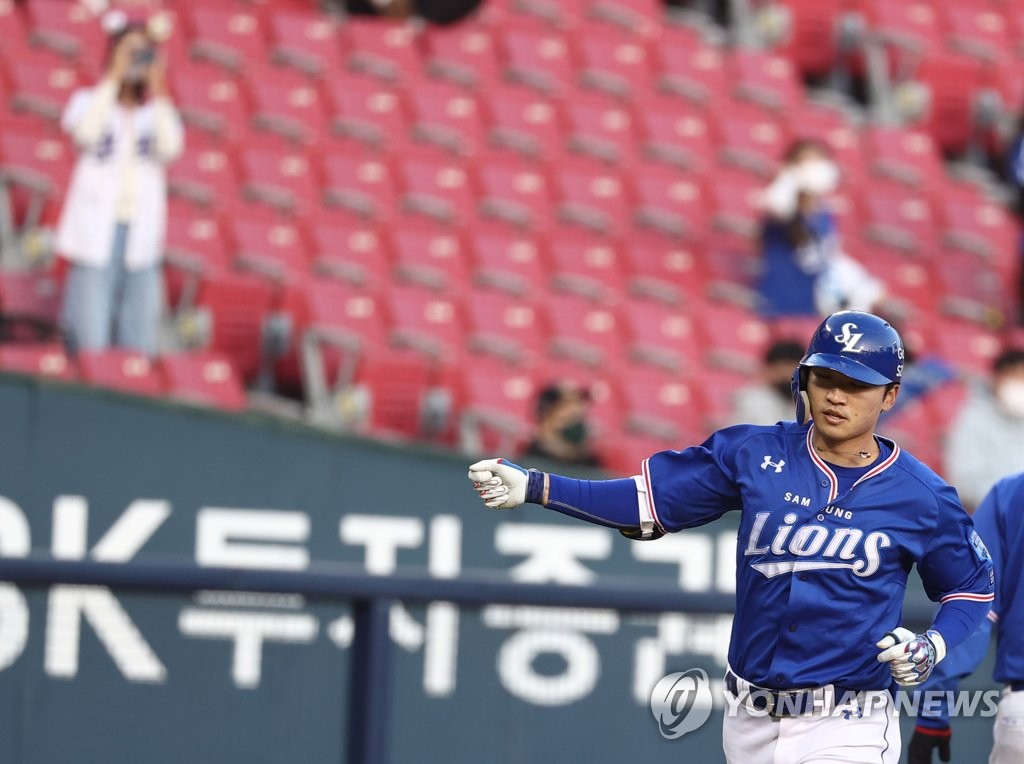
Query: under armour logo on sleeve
x=769, y=463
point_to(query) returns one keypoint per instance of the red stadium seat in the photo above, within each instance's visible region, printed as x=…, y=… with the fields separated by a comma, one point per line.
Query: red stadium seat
x=689, y=66
x=447, y=115
x=209, y=97
x=613, y=60
x=348, y=248
x=599, y=126
x=39, y=163
x=306, y=39
x=591, y=195
x=668, y=201
x=676, y=134
x=341, y=315
x=972, y=290
x=970, y=347
x=267, y=245
x=537, y=57
x=121, y=370
x=69, y=28
x=909, y=31
x=366, y=109
x=898, y=215
x=583, y=330
x=585, y=263
x=39, y=359
x=206, y=379
x=360, y=181
x=664, y=267
x=811, y=42
x=507, y=259
x=504, y=325
x=396, y=384
x=284, y=179
x=523, y=120
x=907, y=155
x=429, y=254
x=735, y=338
x=514, y=190
x=496, y=409
x=235, y=307
x=953, y=81
x=42, y=83
x=32, y=294
x=733, y=197
x=750, y=137
x=976, y=27
x=662, y=335
x=973, y=222
x=465, y=53
x=623, y=455
x=206, y=173
x=230, y=35
x=422, y=319
x=195, y=243
x=643, y=18
x=660, y=404
x=435, y=186
x=383, y=48
x=286, y=102
x=767, y=79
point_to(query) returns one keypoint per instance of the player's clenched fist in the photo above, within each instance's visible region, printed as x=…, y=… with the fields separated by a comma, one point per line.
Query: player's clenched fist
x=911, y=657
x=500, y=483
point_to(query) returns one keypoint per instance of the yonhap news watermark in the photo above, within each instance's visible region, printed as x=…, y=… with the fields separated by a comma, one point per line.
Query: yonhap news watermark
x=683, y=701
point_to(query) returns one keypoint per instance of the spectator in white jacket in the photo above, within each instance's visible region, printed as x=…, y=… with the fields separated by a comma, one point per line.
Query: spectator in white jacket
x=112, y=226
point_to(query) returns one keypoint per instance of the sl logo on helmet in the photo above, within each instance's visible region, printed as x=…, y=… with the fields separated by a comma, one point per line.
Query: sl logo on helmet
x=849, y=339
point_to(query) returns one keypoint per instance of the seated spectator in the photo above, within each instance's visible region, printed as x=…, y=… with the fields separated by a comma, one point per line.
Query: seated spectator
x=112, y=225
x=986, y=441
x=432, y=11
x=771, y=400
x=562, y=431
x=804, y=272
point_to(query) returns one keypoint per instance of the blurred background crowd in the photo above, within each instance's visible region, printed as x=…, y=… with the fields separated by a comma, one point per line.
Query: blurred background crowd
x=583, y=230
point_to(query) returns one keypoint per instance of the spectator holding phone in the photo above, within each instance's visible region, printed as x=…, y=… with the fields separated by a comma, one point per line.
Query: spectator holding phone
x=111, y=229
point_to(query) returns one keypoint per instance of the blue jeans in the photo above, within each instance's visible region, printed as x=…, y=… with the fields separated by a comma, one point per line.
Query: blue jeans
x=111, y=305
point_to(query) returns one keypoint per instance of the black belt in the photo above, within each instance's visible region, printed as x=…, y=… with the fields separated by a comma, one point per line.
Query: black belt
x=1016, y=686
x=783, y=703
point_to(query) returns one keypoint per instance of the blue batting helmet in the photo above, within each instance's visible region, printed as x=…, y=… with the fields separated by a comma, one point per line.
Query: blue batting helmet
x=859, y=345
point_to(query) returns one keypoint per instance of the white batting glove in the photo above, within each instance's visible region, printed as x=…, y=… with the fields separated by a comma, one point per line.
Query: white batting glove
x=500, y=483
x=911, y=657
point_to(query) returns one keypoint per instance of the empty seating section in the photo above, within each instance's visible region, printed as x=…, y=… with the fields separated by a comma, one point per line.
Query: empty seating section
x=444, y=220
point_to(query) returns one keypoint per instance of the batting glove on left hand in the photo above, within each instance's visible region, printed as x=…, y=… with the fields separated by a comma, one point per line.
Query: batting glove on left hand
x=500, y=483
x=911, y=657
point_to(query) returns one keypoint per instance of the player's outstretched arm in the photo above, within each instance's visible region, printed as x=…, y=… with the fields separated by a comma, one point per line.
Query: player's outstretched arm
x=618, y=504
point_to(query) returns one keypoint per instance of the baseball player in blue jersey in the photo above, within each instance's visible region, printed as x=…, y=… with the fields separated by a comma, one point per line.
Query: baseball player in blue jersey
x=1000, y=523
x=832, y=518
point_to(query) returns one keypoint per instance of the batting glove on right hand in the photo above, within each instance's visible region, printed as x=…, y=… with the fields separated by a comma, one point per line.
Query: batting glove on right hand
x=927, y=739
x=500, y=483
x=911, y=657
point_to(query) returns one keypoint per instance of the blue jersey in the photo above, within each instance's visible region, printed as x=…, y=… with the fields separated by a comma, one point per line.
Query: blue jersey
x=821, y=572
x=1000, y=523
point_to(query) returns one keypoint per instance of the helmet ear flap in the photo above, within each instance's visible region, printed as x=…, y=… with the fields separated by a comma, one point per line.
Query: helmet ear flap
x=798, y=385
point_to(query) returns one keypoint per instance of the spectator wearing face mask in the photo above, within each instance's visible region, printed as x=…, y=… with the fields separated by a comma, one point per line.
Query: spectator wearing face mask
x=770, y=400
x=562, y=431
x=986, y=441
x=804, y=271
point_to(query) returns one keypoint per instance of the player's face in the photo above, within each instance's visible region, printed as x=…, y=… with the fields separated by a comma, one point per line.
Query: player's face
x=845, y=409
